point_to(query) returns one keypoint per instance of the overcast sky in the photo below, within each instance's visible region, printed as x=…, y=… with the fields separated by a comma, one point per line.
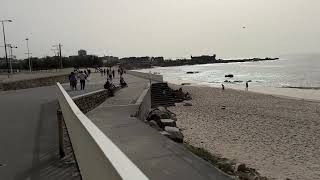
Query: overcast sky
x=169, y=28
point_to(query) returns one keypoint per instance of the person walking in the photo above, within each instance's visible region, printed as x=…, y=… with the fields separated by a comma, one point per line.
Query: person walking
x=82, y=76
x=113, y=74
x=73, y=81
x=222, y=86
x=247, y=85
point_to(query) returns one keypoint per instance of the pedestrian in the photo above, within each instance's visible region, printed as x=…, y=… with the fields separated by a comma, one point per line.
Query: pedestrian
x=70, y=80
x=82, y=76
x=123, y=82
x=108, y=86
x=222, y=86
x=113, y=74
x=108, y=72
x=73, y=81
x=247, y=85
x=110, y=77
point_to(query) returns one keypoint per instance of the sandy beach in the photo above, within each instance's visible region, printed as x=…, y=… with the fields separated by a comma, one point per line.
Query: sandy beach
x=279, y=137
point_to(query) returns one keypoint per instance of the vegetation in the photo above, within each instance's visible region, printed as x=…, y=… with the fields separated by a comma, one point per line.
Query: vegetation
x=54, y=62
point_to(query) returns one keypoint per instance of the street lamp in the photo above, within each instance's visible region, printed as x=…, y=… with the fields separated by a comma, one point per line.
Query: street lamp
x=30, y=69
x=11, y=55
x=4, y=40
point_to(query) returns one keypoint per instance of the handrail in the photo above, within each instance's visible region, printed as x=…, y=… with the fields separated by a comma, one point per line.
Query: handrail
x=97, y=156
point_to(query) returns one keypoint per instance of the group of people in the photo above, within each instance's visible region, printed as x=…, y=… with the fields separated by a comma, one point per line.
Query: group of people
x=110, y=73
x=81, y=75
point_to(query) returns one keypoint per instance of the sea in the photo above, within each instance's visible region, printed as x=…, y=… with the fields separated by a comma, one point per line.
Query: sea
x=296, y=76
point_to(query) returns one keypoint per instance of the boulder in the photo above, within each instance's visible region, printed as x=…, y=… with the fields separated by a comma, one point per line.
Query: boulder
x=165, y=133
x=174, y=134
x=229, y=75
x=165, y=113
x=154, y=115
x=184, y=84
x=160, y=113
x=155, y=125
x=168, y=122
x=241, y=167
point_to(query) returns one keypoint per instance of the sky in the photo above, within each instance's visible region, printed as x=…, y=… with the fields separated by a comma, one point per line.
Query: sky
x=169, y=28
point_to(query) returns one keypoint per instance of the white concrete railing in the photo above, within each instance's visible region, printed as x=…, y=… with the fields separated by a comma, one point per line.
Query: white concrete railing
x=97, y=156
x=153, y=77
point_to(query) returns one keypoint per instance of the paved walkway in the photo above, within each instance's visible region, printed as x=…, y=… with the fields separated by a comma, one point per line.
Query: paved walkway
x=28, y=133
x=29, y=139
x=157, y=156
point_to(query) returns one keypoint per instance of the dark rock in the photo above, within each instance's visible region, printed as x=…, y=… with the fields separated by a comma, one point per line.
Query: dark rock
x=160, y=113
x=168, y=122
x=241, y=167
x=154, y=115
x=192, y=72
x=187, y=104
x=165, y=133
x=229, y=75
x=184, y=84
x=155, y=125
x=174, y=134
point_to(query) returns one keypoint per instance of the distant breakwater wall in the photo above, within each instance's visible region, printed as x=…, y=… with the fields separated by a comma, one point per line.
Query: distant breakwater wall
x=153, y=77
x=32, y=83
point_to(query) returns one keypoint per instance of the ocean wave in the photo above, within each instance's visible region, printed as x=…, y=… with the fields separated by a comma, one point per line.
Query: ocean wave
x=301, y=87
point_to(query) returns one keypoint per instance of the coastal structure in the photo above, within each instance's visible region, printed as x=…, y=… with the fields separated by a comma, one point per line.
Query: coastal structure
x=126, y=148
x=82, y=52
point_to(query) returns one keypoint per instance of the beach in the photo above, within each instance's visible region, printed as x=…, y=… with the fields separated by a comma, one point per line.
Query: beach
x=277, y=136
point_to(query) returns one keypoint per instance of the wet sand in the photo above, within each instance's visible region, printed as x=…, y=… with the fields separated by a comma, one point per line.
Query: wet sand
x=279, y=137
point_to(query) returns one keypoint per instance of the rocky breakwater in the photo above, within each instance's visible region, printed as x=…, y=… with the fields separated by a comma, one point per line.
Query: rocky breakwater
x=164, y=121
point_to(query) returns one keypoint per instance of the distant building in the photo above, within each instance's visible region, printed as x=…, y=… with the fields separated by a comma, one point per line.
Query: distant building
x=82, y=52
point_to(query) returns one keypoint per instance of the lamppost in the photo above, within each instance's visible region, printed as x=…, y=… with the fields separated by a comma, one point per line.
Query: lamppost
x=4, y=41
x=30, y=69
x=11, y=55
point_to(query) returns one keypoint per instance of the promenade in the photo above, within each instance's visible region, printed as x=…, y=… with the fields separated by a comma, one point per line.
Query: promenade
x=29, y=135
x=157, y=156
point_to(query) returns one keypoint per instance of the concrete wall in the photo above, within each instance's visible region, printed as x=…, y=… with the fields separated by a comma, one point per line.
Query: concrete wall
x=154, y=77
x=145, y=104
x=97, y=156
x=32, y=83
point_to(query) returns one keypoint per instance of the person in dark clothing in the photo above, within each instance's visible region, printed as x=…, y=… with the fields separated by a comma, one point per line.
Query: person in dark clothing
x=222, y=86
x=108, y=86
x=73, y=81
x=122, y=82
x=108, y=72
x=247, y=85
x=110, y=77
x=113, y=74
